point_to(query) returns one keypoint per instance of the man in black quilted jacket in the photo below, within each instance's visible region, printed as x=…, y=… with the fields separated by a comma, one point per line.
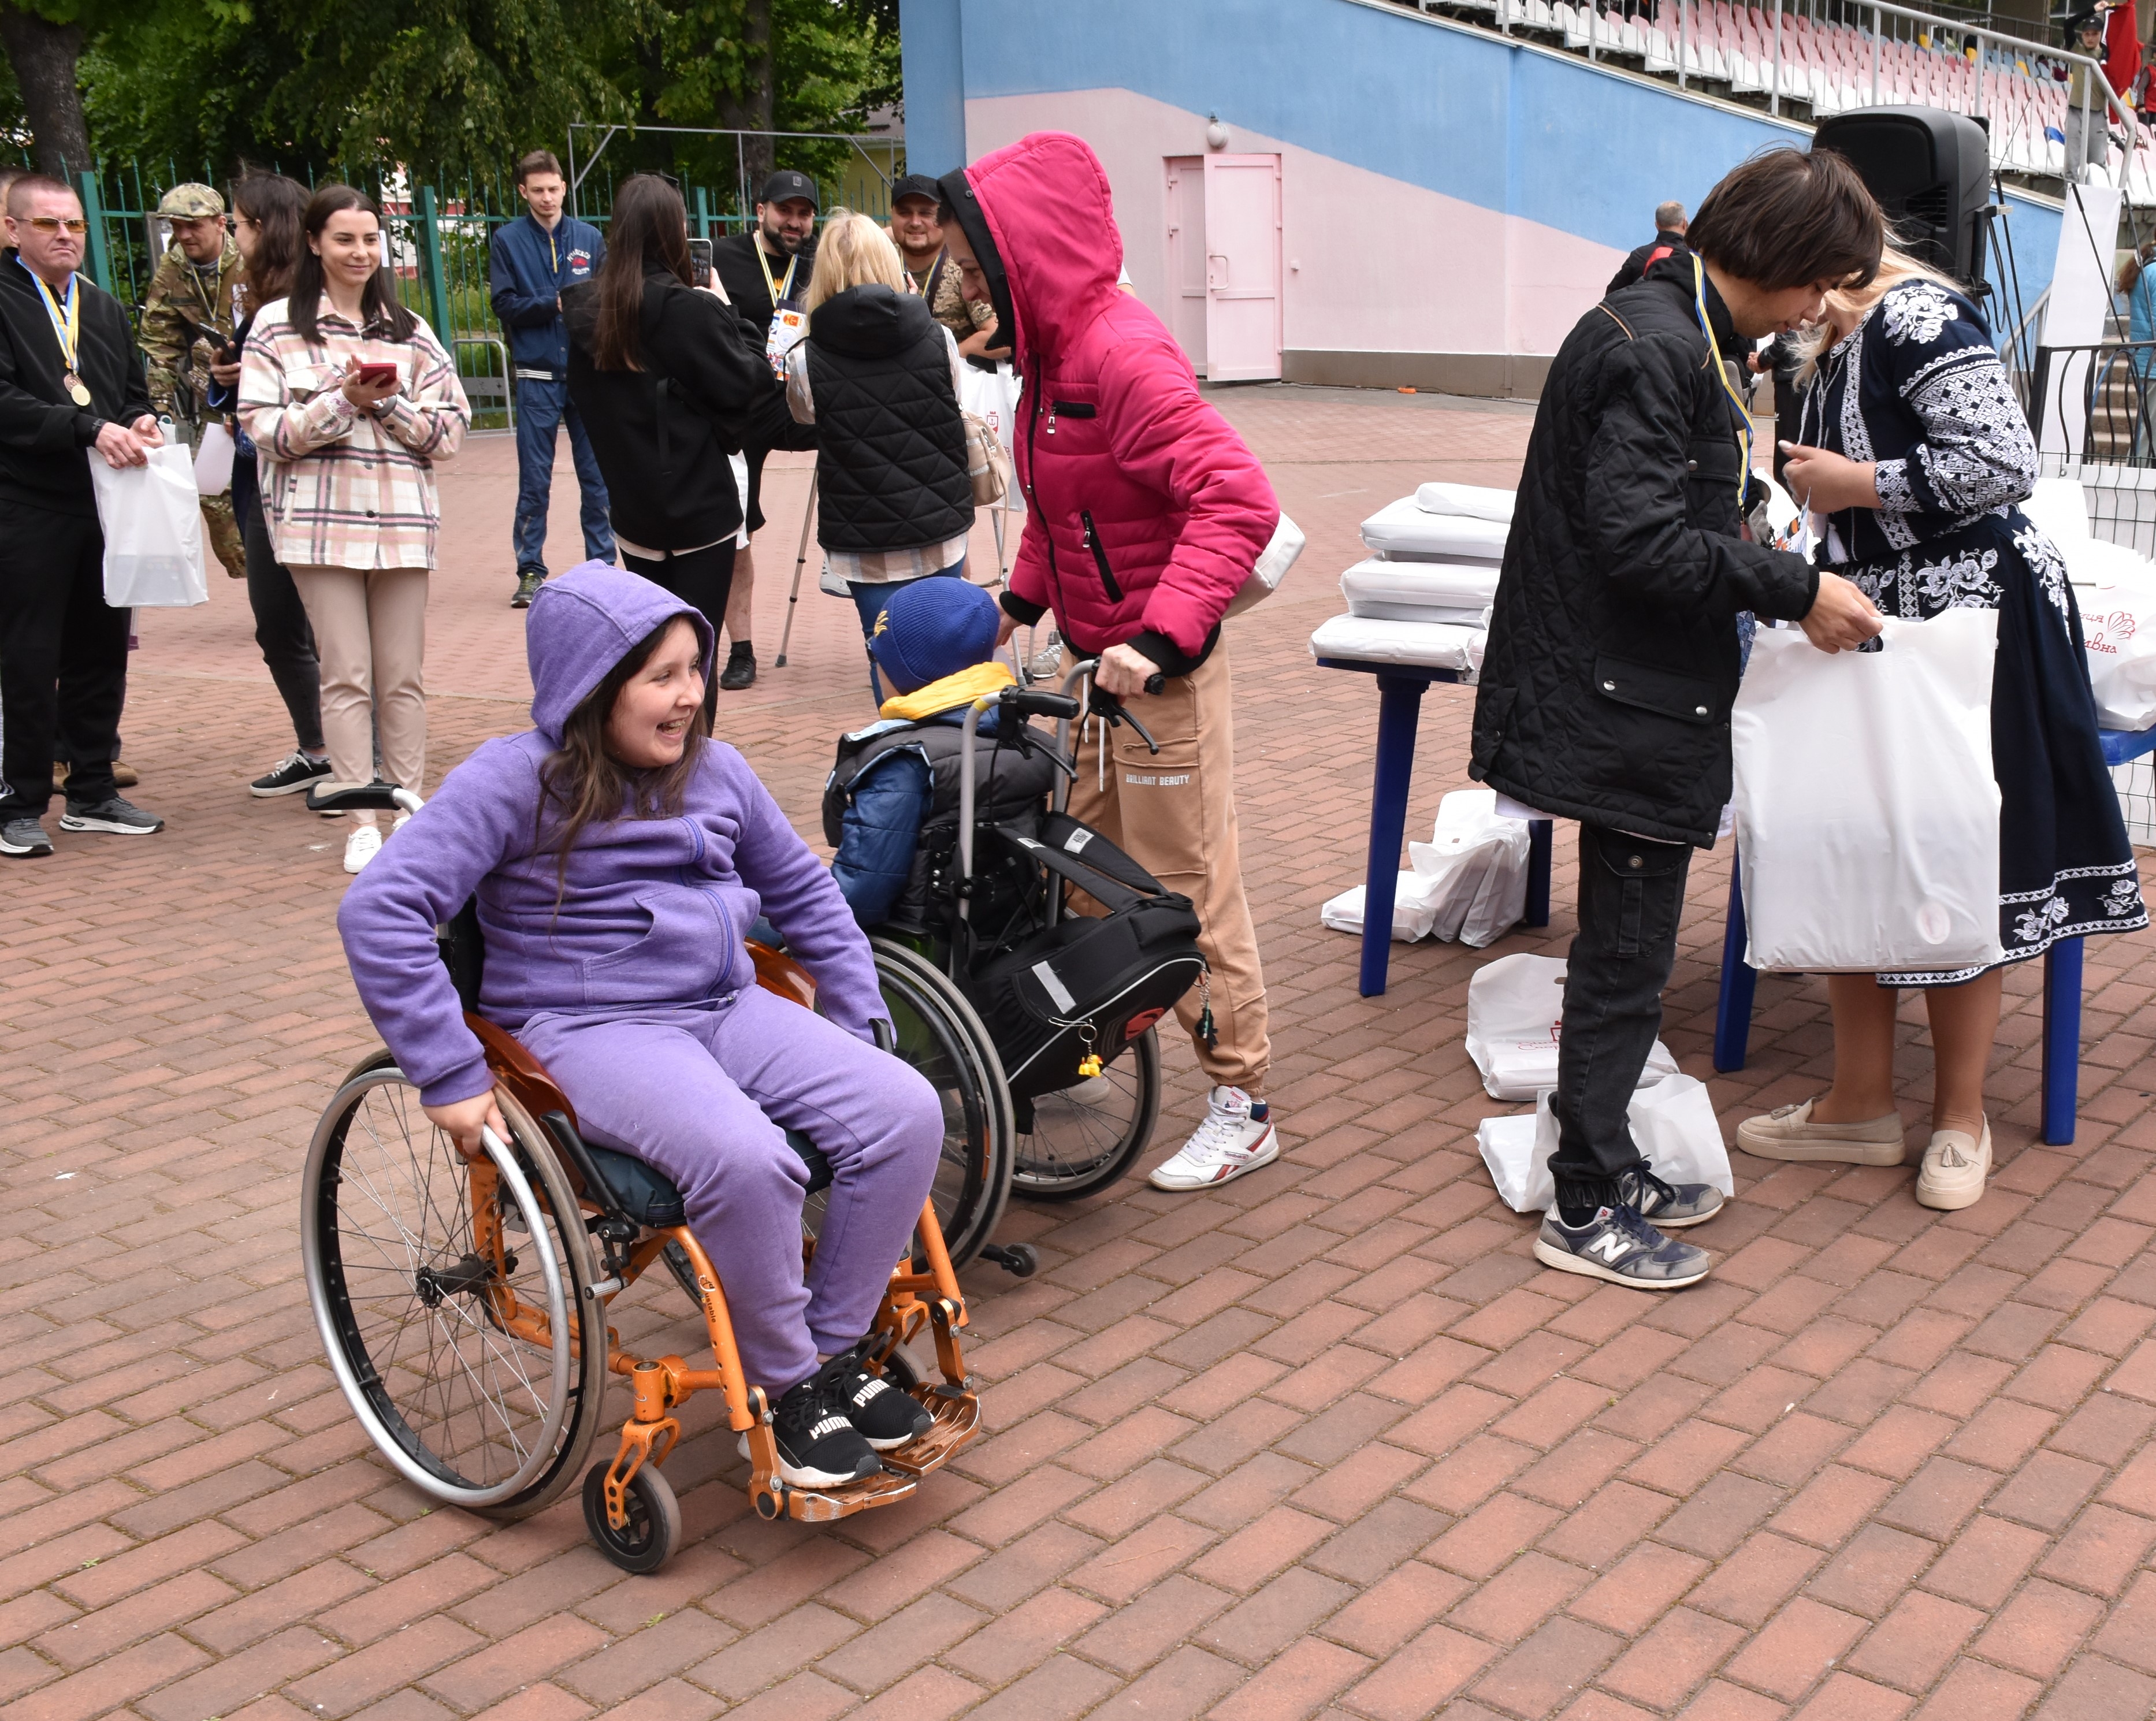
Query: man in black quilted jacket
x=1613, y=656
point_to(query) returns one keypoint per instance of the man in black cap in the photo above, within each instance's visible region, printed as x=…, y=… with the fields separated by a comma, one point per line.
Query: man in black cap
x=919, y=237
x=765, y=272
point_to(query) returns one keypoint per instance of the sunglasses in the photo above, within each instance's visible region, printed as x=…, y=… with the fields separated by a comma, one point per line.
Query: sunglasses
x=53, y=224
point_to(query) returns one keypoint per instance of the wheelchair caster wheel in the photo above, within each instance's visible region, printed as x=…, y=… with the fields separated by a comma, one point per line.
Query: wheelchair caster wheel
x=1018, y=1260
x=653, y=1531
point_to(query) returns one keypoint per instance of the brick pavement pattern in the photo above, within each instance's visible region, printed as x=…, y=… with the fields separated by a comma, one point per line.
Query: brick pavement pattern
x=1325, y=1441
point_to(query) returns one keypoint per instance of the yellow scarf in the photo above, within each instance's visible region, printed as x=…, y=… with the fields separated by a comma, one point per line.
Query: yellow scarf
x=964, y=688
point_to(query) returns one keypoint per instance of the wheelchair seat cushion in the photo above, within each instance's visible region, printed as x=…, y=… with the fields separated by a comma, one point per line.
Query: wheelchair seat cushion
x=650, y=1197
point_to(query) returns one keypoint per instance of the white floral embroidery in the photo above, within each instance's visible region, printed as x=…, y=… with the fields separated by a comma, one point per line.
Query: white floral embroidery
x=2045, y=562
x=2036, y=921
x=2124, y=897
x=1917, y=310
x=1961, y=582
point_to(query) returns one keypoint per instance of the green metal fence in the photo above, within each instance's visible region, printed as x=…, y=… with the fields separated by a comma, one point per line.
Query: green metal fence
x=436, y=240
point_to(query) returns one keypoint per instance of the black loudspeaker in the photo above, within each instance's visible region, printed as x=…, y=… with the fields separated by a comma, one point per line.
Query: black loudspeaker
x=1931, y=171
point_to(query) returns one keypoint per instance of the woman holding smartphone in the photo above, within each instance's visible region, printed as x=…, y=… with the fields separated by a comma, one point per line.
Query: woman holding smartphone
x=350, y=400
x=267, y=211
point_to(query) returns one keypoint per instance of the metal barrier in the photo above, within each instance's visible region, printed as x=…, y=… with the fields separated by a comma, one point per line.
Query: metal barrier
x=2092, y=404
x=479, y=397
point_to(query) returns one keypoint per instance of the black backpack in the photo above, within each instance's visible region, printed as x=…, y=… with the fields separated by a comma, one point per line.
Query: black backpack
x=1090, y=982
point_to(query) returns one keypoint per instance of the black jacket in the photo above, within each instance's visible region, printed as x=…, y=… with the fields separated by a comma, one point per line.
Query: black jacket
x=42, y=433
x=1635, y=265
x=662, y=433
x=891, y=460
x=734, y=262
x=1612, y=660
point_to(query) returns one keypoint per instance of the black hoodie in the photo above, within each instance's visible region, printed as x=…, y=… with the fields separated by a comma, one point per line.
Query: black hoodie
x=890, y=461
x=662, y=433
x=43, y=434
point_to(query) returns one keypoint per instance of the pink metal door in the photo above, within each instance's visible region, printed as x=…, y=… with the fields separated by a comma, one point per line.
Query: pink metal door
x=1242, y=268
x=1186, y=256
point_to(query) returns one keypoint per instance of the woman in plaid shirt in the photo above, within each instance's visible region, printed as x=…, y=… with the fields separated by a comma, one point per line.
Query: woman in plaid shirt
x=350, y=400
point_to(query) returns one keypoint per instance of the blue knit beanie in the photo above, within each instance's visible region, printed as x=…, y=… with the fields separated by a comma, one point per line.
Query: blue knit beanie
x=933, y=628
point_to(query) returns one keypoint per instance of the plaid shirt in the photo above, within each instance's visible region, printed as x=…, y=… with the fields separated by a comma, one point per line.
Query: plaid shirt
x=343, y=487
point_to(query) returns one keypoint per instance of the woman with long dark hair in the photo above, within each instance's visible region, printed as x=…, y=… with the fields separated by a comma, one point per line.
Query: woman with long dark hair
x=268, y=209
x=668, y=387
x=350, y=400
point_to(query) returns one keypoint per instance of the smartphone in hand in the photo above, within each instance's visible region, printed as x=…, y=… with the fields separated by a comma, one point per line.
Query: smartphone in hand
x=700, y=262
x=375, y=375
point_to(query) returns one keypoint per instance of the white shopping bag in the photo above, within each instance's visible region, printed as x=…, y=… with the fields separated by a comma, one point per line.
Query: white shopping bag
x=2115, y=588
x=1867, y=816
x=213, y=459
x=151, y=517
x=1673, y=1125
x=1415, y=909
x=1468, y=882
x=1514, y=1005
x=1521, y=1173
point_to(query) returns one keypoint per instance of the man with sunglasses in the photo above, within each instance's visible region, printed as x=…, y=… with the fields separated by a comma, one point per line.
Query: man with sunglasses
x=187, y=317
x=71, y=381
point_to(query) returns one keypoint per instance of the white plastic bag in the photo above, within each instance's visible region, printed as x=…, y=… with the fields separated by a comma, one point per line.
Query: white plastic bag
x=151, y=516
x=1673, y=1126
x=213, y=459
x=1468, y=882
x=2118, y=634
x=1514, y=1005
x=1867, y=816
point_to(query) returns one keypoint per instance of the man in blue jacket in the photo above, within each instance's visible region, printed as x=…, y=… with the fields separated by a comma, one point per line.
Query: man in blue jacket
x=533, y=259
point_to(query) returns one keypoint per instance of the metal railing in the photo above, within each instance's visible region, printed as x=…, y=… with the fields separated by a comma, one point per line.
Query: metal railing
x=1813, y=59
x=2100, y=410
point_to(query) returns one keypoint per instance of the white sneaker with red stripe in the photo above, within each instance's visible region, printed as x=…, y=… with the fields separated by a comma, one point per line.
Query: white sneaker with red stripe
x=1237, y=1136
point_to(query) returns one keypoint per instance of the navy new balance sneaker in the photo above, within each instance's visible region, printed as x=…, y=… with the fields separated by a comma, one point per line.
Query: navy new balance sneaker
x=1619, y=1246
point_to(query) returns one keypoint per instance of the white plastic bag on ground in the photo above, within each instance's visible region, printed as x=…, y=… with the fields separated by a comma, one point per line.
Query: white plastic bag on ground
x=1468, y=882
x=1673, y=1126
x=1415, y=909
x=1514, y=1008
x=151, y=517
x=1867, y=817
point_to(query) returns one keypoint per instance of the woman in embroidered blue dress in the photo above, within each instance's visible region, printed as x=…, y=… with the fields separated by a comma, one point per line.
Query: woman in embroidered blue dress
x=1917, y=455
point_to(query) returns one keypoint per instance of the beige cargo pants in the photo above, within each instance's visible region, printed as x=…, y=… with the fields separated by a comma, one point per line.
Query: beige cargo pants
x=1174, y=814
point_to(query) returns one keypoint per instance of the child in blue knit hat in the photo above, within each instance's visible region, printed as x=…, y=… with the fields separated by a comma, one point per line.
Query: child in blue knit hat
x=890, y=806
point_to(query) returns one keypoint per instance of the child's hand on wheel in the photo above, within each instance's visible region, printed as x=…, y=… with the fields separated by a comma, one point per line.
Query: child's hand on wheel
x=462, y=1120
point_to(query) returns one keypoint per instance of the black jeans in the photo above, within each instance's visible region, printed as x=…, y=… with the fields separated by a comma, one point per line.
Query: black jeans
x=703, y=578
x=281, y=627
x=62, y=661
x=1631, y=895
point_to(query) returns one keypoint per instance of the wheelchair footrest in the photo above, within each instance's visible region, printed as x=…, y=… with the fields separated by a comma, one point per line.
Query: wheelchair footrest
x=821, y=1505
x=957, y=1419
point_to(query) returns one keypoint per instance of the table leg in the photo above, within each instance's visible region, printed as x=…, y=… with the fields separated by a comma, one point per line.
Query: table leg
x=1399, y=709
x=1537, y=913
x=1732, y=1009
x=2062, y=1040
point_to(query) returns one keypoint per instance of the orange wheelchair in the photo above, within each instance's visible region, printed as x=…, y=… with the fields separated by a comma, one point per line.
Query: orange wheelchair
x=463, y=1305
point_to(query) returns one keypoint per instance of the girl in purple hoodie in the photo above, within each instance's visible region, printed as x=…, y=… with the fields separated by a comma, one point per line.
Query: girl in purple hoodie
x=619, y=855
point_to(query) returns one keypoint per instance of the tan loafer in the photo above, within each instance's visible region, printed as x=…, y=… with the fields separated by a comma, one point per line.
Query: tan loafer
x=1789, y=1133
x=1954, y=1168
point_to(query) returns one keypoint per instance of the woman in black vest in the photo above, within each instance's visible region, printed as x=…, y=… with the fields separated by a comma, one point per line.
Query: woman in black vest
x=878, y=376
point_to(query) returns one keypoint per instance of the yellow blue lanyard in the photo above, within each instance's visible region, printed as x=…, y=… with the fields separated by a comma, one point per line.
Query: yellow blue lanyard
x=777, y=290
x=66, y=314
x=1722, y=376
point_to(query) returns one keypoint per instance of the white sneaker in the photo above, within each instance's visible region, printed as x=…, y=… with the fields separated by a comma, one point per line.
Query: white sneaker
x=399, y=823
x=1237, y=1136
x=361, y=846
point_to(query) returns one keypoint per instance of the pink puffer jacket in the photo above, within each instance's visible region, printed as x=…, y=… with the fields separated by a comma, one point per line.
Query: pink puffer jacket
x=1145, y=512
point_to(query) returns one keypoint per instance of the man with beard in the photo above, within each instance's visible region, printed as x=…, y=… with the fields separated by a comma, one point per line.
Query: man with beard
x=765, y=272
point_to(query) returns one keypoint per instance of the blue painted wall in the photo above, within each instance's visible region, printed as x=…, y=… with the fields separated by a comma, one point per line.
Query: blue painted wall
x=1535, y=135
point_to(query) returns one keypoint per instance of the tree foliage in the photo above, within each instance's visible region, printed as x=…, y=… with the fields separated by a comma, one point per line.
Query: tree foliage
x=451, y=88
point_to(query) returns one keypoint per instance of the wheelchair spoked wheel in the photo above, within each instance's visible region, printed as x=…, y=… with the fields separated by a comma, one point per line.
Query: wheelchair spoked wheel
x=940, y=1036
x=446, y=1295
x=1084, y=1137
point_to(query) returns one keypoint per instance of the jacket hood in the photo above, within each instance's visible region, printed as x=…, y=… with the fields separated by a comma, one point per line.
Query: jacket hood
x=870, y=320
x=1044, y=204
x=583, y=624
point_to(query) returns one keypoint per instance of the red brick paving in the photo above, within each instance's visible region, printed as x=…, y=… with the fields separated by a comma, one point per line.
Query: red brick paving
x=1325, y=1442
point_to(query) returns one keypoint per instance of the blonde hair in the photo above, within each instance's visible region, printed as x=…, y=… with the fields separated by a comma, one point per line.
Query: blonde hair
x=1895, y=265
x=852, y=252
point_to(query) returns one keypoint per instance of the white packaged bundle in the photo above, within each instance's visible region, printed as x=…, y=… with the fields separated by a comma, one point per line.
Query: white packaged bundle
x=1515, y=1007
x=1456, y=593
x=1469, y=882
x=1438, y=645
x=1408, y=533
x=1476, y=501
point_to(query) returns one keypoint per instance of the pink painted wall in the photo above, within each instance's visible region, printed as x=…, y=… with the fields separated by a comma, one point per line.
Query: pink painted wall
x=1370, y=263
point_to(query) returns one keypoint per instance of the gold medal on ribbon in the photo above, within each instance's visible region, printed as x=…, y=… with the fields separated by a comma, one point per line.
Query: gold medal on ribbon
x=78, y=390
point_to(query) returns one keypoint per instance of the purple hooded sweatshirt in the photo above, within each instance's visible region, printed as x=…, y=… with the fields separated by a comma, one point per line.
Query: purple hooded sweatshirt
x=655, y=911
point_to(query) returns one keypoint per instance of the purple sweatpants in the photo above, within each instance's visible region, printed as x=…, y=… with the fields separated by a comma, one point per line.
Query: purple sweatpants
x=703, y=1093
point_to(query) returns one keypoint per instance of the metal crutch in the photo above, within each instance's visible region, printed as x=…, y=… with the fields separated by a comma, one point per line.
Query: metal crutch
x=800, y=558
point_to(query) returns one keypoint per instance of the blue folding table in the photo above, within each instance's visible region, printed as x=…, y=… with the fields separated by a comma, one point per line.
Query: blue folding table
x=1400, y=689
x=2063, y=986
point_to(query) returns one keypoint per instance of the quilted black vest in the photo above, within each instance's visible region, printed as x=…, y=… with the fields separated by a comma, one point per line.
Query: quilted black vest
x=891, y=462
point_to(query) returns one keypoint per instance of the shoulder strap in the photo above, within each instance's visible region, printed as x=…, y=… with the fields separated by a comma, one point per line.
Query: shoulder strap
x=1111, y=893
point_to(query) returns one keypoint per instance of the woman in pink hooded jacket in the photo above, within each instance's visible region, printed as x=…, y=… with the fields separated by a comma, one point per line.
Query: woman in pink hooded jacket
x=1145, y=513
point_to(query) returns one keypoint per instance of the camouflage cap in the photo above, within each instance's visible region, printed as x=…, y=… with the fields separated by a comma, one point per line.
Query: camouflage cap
x=191, y=203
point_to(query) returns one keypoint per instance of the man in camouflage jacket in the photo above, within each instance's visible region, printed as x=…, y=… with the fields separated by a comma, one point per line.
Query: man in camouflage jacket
x=187, y=315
